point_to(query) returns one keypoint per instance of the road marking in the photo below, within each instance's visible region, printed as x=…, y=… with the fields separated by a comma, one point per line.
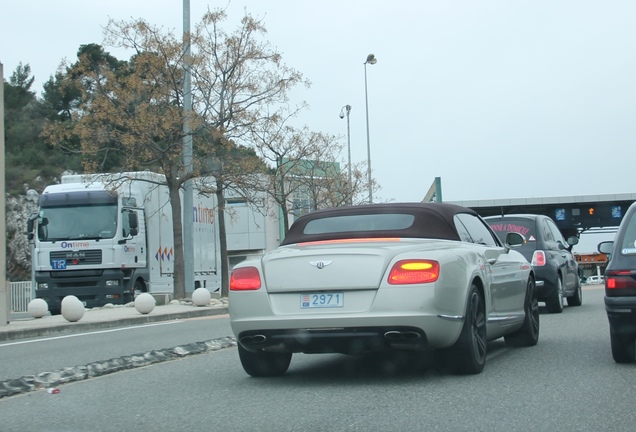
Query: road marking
x=90, y=333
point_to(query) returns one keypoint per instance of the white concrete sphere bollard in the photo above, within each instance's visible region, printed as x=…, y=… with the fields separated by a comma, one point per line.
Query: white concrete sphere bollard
x=72, y=308
x=201, y=297
x=145, y=303
x=38, y=308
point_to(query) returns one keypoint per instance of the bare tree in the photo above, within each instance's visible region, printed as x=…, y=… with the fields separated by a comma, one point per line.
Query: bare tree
x=135, y=110
x=305, y=174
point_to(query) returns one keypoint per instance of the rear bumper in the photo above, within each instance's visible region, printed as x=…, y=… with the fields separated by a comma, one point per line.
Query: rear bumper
x=341, y=340
x=621, y=313
x=346, y=334
x=364, y=319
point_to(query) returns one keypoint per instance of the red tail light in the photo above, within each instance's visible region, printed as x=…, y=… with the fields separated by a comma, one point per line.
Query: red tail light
x=245, y=278
x=620, y=280
x=538, y=258
x=414, y=272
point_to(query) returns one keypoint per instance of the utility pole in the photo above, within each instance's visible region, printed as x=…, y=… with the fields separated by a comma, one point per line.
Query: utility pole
x=5, y=286
x=188, y=205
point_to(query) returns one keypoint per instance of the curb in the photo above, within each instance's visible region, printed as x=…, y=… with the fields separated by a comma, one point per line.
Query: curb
x=50, y=380
x=70, y=328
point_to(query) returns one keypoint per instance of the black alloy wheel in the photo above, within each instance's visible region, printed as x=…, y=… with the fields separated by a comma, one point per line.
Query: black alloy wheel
x=528, y=334
x=468, y=355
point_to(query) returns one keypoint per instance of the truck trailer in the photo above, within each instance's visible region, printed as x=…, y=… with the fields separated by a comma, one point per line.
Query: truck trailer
x=106, y=238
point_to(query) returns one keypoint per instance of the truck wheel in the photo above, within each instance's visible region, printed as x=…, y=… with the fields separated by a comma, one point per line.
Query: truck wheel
x=138, y=288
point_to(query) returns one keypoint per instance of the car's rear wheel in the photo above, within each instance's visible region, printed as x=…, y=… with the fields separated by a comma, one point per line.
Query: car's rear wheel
x=468, y=355
x=264, y=364
x=576, y=299
x=623, y=347
x=528, y=334
x=554, y=303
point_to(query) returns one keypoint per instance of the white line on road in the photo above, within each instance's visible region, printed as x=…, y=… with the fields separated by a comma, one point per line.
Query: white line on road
x=90, y=333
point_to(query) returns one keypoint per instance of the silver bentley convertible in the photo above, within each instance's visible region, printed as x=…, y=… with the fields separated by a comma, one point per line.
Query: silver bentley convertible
x=381, y=277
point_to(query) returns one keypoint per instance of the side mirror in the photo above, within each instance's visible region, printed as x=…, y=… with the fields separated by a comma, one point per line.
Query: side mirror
x=30, y=225
x=133, y=222
x=514, y=239
x=606, y=247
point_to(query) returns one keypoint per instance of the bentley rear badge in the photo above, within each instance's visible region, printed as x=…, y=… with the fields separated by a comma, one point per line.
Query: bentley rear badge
x=320, y=264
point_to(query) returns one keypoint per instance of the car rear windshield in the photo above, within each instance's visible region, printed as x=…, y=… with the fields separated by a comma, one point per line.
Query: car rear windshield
x=402, y=220
x=525, y=227
x=365, y=222
x=628, y=244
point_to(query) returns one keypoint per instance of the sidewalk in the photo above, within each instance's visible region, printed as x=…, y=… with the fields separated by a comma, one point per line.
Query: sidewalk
x=24, y=326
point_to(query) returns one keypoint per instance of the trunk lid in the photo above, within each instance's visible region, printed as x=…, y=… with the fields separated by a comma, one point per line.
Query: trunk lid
x=341, y=267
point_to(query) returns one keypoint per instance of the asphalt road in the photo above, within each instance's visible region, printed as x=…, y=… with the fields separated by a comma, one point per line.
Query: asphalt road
x=32, y=356
x=568, y=382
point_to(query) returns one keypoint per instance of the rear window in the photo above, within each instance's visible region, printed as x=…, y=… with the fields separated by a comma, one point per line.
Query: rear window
x=525, y=227
x=366, y=222
x=628, y=244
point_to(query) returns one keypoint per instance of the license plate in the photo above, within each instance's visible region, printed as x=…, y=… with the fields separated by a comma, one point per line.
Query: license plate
x=58, y=264
x=322, y=300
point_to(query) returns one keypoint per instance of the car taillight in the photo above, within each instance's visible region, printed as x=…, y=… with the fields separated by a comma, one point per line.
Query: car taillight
x=414, y=272
x=620, y=280
x=538, y=258
x=245, y=278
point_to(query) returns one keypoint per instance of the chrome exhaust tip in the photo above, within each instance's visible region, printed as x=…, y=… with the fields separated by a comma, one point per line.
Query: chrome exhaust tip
x=253, y=339
x=400, y=335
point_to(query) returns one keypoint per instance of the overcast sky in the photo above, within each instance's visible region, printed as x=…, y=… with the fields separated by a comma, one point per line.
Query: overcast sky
x=499, y=98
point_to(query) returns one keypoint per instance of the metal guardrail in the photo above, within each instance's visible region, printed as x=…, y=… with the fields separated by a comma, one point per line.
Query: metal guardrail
x=21, y=295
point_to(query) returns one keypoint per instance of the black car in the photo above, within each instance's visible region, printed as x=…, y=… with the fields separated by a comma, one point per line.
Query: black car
x=620, y=288
x=556, y=270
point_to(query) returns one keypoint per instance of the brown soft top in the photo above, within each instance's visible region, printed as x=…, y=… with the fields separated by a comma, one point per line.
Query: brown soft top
x=431, y=220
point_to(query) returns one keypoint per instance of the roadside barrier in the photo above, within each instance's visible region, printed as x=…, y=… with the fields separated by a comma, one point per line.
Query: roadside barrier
x=21, y=295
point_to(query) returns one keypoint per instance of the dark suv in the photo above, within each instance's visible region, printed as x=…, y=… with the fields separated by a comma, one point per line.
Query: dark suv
x=620, y=288
x=556, y=270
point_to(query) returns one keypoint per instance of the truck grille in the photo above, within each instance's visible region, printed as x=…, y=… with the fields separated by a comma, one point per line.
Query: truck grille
x=77, y=258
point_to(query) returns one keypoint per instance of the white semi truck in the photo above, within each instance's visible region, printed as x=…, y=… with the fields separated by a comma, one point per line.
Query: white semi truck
x=106, y=238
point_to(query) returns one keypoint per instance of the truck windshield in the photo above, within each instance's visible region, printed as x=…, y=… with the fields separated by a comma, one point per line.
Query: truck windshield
x=77, y=222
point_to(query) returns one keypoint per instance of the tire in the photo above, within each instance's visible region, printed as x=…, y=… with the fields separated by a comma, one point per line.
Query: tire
x=554, y=303
x=576, y=299
x=264, y=364
x=528, y=334
x=138, y=289
x=468, y=355
x=623, y=348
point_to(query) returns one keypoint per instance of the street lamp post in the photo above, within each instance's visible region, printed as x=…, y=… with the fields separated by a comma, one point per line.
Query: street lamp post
x=370, y=60
x=347, y=109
